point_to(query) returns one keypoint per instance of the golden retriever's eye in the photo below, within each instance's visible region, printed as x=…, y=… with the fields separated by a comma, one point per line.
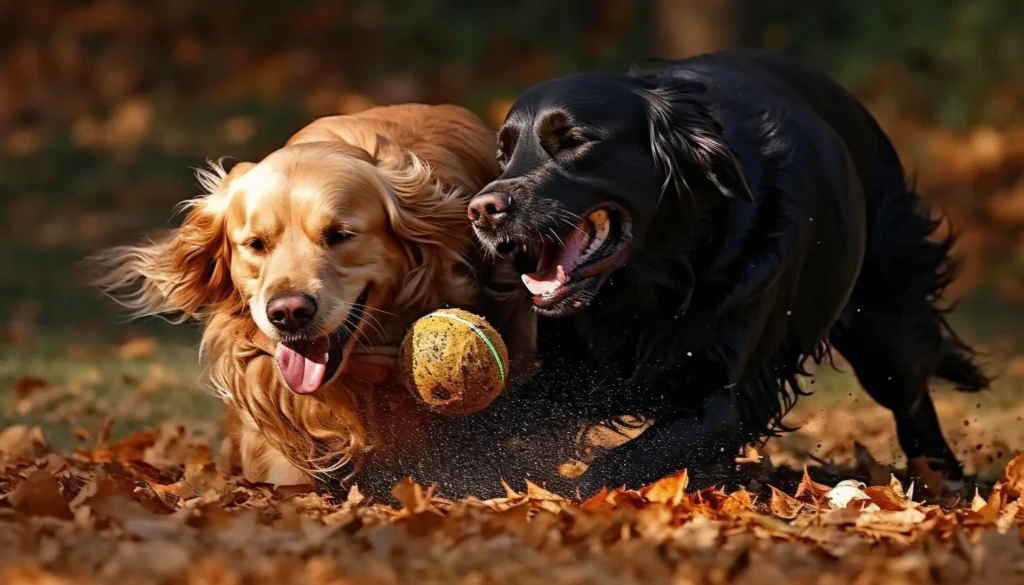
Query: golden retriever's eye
x=255, y=244
x=336, y=236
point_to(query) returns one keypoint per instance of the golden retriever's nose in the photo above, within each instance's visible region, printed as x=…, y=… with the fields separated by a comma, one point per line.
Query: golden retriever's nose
x=291, y=312
x=489, y=209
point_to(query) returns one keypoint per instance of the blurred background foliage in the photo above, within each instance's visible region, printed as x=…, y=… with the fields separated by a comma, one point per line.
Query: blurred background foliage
x=105, y=104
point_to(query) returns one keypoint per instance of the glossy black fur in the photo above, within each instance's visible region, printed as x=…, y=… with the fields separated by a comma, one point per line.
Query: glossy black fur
x=772, y=220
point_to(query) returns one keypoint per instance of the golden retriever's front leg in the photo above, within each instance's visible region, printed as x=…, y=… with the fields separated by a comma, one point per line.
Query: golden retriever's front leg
x=262, y=463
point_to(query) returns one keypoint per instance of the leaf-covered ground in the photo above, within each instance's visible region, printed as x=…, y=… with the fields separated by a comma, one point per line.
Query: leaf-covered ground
x=164, y=507
x=113, y=469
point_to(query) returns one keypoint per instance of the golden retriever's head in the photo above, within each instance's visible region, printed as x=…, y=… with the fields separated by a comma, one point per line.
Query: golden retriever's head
x=318, y=244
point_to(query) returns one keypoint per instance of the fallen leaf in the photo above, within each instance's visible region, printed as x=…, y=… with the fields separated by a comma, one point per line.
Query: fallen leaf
x=1014, y=476
x=535, y=492
x=23, y=441
x=670, y=490
x=410, y=495
x=809, y=490
x=886, y=497
x=846, y=491
x=785, y=506
x=40, y=495
x=137, y=348
x=29, y=384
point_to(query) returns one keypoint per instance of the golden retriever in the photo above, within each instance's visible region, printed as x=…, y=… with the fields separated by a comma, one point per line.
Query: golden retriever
x=326, y=249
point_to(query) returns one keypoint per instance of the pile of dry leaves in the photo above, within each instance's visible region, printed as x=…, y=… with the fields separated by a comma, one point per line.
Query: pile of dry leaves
x=162, y=507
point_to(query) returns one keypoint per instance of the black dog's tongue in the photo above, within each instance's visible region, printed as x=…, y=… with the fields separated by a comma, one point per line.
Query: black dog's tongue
x=556, y=263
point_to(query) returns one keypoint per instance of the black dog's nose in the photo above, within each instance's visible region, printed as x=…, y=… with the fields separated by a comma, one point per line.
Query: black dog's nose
x=291, y=312
x=489, y=209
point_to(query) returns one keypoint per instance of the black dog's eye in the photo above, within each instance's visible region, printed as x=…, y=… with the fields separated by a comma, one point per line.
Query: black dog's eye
x=255, y=244
x=559, y=134
x=336, y=236
x=506, y=144
x=569, y=138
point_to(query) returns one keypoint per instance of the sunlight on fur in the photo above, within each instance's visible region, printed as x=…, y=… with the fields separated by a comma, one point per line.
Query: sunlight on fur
x=389, y=188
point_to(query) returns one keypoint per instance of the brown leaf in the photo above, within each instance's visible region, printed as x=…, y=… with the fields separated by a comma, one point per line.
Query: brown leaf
x=535, y=492
x=23, y=441
x=40, y=495
x=410, y=495
x=978, y=502
x=137, y=348
x=809, y=490
x=29, y=384
x=670, y=490
x=509, y=492
x=897, y=521
x=886, y=497
x=595, y=501
x=1014, y=476
x=785, y=506
x=737, y=503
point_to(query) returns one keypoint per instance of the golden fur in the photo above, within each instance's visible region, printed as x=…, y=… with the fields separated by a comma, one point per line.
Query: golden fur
x=399, y=178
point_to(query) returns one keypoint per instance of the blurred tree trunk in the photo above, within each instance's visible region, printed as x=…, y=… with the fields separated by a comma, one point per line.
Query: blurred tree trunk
x=689, y=27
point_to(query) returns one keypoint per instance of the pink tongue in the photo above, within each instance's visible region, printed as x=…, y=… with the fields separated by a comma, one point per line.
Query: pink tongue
x=303, y=369
x=556, y=263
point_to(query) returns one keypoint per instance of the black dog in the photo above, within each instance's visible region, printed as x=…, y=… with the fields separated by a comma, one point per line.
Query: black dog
x=693, y=234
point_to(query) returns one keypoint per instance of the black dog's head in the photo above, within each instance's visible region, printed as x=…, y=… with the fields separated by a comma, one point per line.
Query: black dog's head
x=592, y=165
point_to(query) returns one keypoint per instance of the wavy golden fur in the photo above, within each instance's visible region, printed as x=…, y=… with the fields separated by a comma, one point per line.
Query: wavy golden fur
x=398, y=180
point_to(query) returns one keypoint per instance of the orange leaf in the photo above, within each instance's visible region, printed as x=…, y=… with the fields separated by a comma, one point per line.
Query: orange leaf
x=669, y=490
x=886, y=498
x=595, y=501
x=738, y=502
x=137, y=348
x=1015, y=476
x=509, y=492
x=410, y=495
x=535, y=492
x=809, y=490
x=785, y=506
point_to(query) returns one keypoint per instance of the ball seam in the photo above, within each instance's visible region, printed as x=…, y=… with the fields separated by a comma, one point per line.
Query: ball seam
x=480, y=333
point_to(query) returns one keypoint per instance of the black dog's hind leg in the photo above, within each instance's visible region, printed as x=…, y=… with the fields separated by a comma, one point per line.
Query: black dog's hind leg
x=894, y=352
x=890, y=331
x=703, y=445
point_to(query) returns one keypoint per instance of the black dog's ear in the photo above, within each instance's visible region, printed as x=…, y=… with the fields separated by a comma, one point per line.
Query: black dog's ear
x=689, y=145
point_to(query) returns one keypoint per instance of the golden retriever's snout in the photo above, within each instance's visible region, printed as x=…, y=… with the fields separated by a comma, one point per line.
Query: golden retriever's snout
x=291, y=312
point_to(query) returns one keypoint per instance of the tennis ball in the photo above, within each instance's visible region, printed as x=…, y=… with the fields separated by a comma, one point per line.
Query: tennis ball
x=454, y=361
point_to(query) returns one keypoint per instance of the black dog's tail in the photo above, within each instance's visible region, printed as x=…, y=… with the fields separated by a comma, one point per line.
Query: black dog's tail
x=909, y=265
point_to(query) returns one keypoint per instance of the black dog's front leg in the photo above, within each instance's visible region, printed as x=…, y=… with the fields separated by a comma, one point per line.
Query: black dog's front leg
x=703, y=445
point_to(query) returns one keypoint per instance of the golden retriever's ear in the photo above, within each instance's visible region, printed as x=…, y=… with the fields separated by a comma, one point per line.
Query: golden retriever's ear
x=184, y=275
x=428, y=218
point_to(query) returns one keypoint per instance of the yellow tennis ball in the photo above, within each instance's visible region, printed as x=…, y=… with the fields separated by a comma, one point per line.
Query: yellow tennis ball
x=454, y=361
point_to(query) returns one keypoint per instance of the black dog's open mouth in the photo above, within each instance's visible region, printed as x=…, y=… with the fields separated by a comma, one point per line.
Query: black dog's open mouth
x=567, y=266
x=306, y=365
